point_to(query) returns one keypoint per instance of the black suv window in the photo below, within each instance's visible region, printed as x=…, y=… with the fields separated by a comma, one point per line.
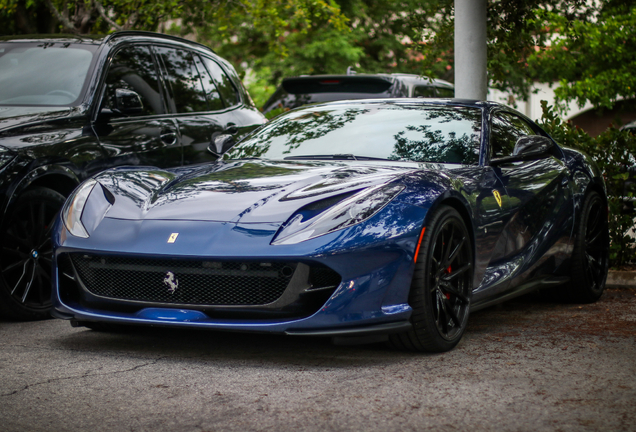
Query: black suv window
x=506, y=130
x=215, y=102
x=133, y=69
x=223, y=82
x=183, y=78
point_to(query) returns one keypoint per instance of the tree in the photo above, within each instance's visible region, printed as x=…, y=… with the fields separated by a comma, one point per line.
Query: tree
x=270, y=18
x=82, y=17
x=592, y=59
x=588, y=48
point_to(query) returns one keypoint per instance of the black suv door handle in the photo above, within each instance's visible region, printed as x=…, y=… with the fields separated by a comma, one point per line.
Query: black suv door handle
x=168, y=136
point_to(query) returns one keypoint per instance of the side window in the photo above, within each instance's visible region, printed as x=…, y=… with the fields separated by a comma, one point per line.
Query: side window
x=183, y=79
x=223, y=82
x=506, y=130
x=133, y=68
x=209, y=86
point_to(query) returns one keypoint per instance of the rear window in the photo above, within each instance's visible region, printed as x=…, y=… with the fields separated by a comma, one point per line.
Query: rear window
x=337, y=85
x=432, y=92
x=296, y=92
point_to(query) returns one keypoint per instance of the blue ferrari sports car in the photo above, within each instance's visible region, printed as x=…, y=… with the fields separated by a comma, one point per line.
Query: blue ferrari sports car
x=363, y=220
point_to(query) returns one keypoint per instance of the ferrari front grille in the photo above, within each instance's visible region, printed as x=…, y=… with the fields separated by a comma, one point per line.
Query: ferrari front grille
x=191, y=282
x=183, y=281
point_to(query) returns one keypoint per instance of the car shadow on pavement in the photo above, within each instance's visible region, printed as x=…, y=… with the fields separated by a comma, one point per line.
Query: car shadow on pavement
x=207, y=345
x=529, y=315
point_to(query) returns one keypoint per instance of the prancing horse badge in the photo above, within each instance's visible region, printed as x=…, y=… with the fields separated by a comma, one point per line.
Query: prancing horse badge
x=173, y=237
x=171, y=281
x=495, y=192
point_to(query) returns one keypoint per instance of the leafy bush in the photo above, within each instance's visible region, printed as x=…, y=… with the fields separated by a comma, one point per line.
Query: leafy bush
x=614, y=151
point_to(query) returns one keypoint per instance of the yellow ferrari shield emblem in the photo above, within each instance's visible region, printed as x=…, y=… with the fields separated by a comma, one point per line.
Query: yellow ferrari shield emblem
x=497, y=196
x=173, y=237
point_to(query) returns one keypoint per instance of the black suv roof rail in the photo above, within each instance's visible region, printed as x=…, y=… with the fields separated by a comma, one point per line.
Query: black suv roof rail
x=124, y=33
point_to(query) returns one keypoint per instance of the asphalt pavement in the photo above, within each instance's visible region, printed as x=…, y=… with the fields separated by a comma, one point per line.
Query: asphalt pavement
x=526, y=365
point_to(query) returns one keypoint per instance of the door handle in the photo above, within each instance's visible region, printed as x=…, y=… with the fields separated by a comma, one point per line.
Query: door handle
x=168, y=136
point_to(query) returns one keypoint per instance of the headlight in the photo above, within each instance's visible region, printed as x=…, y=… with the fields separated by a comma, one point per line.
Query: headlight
x=346, y=213
x=82, y=216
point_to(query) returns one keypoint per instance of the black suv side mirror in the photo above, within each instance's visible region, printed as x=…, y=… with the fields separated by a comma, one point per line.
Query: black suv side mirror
x=527, y=147
x=221, y=143
x=127, y=102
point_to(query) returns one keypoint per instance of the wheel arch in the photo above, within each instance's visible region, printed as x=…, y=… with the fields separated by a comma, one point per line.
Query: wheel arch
x=596, y=185
x=463, y=210
x=61, y=179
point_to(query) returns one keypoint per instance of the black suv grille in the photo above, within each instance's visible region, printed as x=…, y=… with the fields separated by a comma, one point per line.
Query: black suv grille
x=192, y=282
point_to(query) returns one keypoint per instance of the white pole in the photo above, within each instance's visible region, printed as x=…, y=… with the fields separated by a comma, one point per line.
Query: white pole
x=471, y=81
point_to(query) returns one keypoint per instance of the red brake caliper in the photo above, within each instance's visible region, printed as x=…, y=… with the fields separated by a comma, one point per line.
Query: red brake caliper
x=448, y=271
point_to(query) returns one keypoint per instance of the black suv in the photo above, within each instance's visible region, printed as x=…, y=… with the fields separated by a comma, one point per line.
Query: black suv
x=302, y=90
x=71, y=106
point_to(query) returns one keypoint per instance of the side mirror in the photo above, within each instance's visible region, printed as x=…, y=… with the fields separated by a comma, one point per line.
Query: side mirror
x=221, y=143
x=127, y=102
x=532, y=146
x=527, y=147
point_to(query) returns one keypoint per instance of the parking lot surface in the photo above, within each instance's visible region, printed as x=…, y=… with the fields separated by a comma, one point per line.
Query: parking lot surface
x=525, y=365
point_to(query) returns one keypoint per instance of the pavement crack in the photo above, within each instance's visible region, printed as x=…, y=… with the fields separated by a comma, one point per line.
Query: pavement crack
x=84, y=375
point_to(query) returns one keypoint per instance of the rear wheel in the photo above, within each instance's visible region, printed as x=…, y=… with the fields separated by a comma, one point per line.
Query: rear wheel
x=26, y=255
x=590, y=256
x=441, y=287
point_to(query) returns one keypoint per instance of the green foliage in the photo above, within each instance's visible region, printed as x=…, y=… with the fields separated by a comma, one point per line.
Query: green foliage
x=614, y=152
x=83, y=17
x=588, y=48
x=370, y=35
x=592, y=59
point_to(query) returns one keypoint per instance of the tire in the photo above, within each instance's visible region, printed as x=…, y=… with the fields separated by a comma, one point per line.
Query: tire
x=441, y=287
x=26, y=255
x=590, y=257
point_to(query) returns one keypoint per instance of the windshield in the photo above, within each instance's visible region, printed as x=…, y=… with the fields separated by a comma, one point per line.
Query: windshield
x=362, y=131
x=43, y=74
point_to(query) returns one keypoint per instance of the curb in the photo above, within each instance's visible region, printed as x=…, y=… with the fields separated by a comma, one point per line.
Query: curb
x=618, y=278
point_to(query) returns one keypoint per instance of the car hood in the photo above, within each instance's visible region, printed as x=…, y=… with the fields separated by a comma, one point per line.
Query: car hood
x=12, y=116
x=249, y=191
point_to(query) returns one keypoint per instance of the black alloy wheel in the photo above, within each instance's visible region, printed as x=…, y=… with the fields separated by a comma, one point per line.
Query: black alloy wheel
x=442, y=286
x=26, y=255
x=590, y=257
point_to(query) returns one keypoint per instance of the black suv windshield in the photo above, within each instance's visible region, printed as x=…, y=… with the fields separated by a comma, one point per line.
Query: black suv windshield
x=367, y=131
x=44, y=74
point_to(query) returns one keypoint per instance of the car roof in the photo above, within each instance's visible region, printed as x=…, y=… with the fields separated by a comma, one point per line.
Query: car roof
x=103, y=39
x=630, y=125
x=71, y=38
x=418, y=101
x=406, y=78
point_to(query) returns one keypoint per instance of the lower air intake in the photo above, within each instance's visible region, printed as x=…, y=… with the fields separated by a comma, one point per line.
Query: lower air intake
x=192, y=282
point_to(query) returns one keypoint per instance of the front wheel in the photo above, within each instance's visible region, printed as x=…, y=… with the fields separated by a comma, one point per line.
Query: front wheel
x=26, y=255
x=590, y=257
x=441, y=287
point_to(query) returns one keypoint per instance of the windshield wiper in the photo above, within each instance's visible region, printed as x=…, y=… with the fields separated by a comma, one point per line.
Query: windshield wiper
x=333, y=157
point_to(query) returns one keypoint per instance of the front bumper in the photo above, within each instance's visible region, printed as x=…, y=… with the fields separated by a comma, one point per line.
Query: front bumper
x=372, y=297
